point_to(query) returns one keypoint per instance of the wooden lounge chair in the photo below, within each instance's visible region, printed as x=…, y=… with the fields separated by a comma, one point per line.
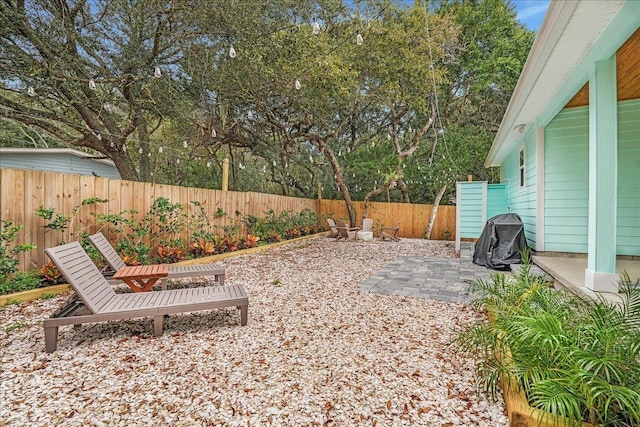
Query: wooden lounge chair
x=390, y=233
x=344, y=232
x=99, y=303
x=333, y=231
x=175, y=271
x=366, y=230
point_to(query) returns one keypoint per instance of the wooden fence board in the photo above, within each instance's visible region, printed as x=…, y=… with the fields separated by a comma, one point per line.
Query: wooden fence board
x=22, y=192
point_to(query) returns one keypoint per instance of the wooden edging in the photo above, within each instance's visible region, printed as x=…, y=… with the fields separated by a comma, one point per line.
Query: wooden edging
x=58, y=289
x=220, y=257
x=32, y=294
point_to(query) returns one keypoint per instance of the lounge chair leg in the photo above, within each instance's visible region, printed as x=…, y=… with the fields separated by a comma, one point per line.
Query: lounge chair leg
x=158, y=325
x=50, y=338
x=244, y=314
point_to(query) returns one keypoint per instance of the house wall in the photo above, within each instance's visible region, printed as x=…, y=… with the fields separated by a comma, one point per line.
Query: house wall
x=522, y=200
x=57, y=162
x=566, y=198
x=567, y=180
x=628, y=224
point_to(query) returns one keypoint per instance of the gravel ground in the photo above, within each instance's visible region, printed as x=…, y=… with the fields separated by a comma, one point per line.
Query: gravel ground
x=316, y=352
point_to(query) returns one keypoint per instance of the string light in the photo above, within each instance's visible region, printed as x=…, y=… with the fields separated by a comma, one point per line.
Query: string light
x=232, y=52
x=298, y=85
x=92, y=84
x=241, y=166
x=157, y=73
x=315, y=28
x=208, y=164
x=140, y=151
x=213, y=132
x=177, y=161
x=274, y=163
x=124, y=148
x=184, y=144
x=160, y=150
x=31, y=91
x=359, y=39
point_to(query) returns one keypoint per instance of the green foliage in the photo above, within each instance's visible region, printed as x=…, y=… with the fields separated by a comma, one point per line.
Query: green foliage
x=9, y=251
x=66, y=224
x=20, y=282
x=574, y=357
x=14, y=326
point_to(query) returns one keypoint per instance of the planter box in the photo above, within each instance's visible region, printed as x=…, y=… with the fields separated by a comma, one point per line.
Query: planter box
x=522, y=415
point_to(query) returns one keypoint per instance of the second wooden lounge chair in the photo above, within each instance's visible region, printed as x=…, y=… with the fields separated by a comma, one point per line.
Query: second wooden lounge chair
x=100, y=303
x=175, y=271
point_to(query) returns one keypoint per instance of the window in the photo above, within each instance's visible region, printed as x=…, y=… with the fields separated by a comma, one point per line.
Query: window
x=522, y=167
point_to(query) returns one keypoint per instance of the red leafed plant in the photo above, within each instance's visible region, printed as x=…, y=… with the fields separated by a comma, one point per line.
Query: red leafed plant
x=169, y=254
x=131, y=259
x=50, y=272
x=251, y=241
x=202, y=247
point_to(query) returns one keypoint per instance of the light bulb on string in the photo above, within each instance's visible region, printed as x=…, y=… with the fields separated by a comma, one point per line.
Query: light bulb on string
x=339, y=153
x=353, y=175
x=177, y=161
x=389, y=136
x=274, y=163
x=310, y=159
x=160, y=150
x=185, y=144
x=100, y=138
x=124, y=148
x=149, y=155
x=264, y=168
x=140, y=151
x=232, y=52
x=213, y=132
x=359, y=39
x=298, y=85
x=315, y=28
x=348, y=149
x=241, y=166
x=157, y=73
x=92, y=84
x=208, y=164
x=31, y=91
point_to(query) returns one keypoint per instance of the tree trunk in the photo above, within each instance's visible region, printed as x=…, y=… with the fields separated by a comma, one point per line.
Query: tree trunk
x=337, y=170
x=434, y=211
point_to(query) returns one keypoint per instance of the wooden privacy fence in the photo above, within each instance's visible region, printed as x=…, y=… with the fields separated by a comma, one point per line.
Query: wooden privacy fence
x=413, y=218
x=22, y=192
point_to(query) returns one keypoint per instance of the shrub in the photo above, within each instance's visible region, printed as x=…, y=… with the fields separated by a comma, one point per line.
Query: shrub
x=9, y=252
x=574, y=357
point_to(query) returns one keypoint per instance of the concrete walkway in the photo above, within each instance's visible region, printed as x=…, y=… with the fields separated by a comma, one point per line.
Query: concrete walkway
x=442, y=279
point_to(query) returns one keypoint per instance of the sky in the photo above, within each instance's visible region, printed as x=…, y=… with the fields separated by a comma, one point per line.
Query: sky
x=531, y=12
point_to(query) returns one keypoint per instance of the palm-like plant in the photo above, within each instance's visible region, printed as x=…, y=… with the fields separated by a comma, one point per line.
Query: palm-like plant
x=574, y=357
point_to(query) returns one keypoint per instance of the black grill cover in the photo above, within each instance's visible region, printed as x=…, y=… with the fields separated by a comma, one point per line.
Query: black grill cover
x=501, y=242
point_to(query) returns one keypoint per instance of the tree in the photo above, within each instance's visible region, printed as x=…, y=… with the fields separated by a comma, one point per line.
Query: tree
x=101, y=75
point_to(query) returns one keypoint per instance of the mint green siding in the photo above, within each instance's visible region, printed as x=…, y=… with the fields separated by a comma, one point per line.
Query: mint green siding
x=523, y=199
x=497, y=200
x=567, y=180
x=566, y=171
x=628, y=224
x=471, y=209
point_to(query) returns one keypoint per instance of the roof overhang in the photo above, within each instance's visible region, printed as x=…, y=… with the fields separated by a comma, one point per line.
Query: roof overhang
x=573, y=35
x=44, y=151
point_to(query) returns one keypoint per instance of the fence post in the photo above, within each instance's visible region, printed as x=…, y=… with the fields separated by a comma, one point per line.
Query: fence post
x=225, y=174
